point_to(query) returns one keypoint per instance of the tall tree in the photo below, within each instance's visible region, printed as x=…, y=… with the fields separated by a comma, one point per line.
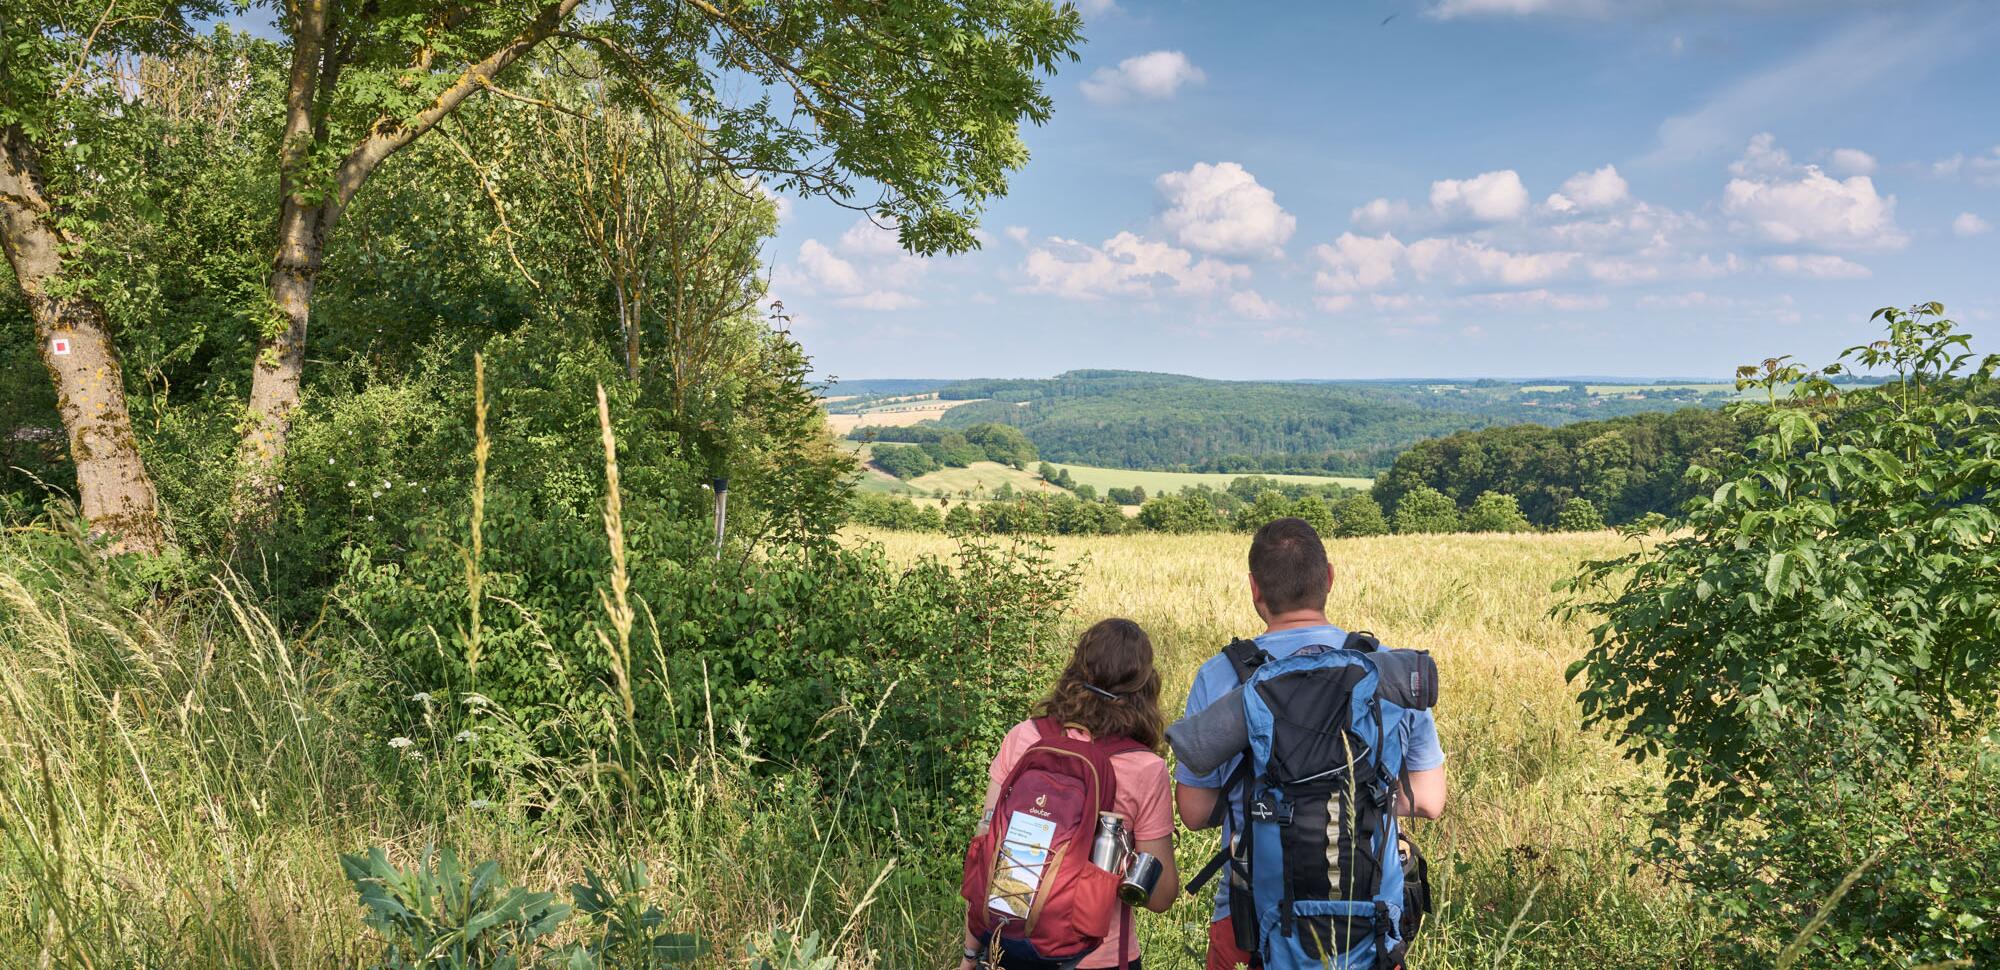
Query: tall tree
x=61, y=94
x=920, y=99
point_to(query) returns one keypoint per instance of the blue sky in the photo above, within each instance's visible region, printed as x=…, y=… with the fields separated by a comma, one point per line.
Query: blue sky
x=1476, y=187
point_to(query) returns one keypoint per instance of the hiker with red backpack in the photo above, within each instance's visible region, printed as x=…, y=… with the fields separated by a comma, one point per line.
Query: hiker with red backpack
x=1079, y=822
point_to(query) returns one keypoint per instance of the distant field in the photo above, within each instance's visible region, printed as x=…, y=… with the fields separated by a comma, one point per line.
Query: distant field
x=1157, y=482
x=991, y=475
x=898, y=413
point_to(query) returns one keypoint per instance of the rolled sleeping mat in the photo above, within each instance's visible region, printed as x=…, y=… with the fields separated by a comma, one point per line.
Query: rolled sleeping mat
x=1406, y=678
x=1205, y=741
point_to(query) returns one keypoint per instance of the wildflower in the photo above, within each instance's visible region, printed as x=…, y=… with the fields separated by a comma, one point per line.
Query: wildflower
x=421, y=697
x=385, y=485
x=375, y=494
x=480, y=804
x=371, y=518
x=329, y=461
x=463, y=736
x=350, y=483
x=400, y=742
x=478, y=700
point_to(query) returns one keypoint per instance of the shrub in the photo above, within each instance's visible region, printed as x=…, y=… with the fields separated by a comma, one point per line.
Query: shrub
x=1264, y=507
x=1002, y=443
x=1495, y=512
x=903, y=461
x=893, y=512
x=1816, y=637
x=1579, y=515
x=1136, y=495
x=1315, y=513
x=1181, y=513
x=1272, y=505
x=1425, y=509
x=1359, y=515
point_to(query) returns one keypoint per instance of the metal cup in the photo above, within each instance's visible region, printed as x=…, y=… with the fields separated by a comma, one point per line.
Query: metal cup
x=1141, y=875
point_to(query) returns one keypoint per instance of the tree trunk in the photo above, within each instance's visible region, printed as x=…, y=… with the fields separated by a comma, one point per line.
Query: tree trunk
x=115, y=493
x=280, y=363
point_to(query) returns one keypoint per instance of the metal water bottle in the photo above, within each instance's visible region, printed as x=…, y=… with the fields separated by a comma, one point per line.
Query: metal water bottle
x=1109, y=845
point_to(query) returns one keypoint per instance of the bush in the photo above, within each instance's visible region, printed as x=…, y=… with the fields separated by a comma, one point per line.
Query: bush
x=1579, y=515
x=1181, y=513
x=1495, y=512
x=1816, y=638
x=1002, y=443
x=1359, y=515
x=1425, y=509
x=1136, y=495
x=892, y=512
x=903, y=461
x=1272, y=505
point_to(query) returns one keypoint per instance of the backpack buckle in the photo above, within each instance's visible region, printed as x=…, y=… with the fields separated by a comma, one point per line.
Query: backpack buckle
x=1266, y=810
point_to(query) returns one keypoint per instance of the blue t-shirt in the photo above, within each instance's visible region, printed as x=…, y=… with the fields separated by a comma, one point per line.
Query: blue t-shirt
x=1216, y=678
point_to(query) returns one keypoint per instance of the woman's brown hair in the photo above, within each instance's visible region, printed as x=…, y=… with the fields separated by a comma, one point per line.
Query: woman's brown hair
x=1110, y=687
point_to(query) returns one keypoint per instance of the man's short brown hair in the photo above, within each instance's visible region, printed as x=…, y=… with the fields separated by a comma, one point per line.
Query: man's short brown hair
x=1288, y=561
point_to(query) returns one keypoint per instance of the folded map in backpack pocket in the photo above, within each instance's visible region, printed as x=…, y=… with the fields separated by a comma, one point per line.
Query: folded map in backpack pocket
x=1020, y=864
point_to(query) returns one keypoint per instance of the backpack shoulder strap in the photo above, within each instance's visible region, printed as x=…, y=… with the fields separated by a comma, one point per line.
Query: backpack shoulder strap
x=1245, y=656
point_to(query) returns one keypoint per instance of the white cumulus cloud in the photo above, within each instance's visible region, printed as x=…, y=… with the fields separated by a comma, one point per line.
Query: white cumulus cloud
x=1152, y=77
x=1489, y=197
x=1586, y=191
x=1125, y=265
x=1358, y=262
x=828, y=271
x=1251, y=305
x=1771, y=200
x=1220, y=208
x=1819, y=266
x=1017, y=233
x=1969, y=224
x=1981, y=169
x=1458, y=260
x=1381, y=214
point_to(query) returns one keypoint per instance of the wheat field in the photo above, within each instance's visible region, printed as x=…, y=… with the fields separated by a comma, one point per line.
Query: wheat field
x=1535, y=835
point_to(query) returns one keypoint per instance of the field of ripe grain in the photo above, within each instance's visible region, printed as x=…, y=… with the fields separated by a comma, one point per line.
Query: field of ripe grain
x=1535, y=836
x=898, y=413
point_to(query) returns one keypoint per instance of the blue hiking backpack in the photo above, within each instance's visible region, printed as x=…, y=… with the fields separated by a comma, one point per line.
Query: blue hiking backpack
x=1318, y=877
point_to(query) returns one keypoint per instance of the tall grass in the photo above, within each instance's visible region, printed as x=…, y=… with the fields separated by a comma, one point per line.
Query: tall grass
x=180, y=776
x=1531, y=864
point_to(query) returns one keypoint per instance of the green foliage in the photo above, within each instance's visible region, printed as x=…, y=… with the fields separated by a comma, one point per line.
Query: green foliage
x=1579, y=515
x=903, y=461
x=1136, y=495
x=893, y=512
x=1185, y=512
x=1495, y=512
x=438, y=916
x=1122, y=419
x=629, y=926
x=1359, y=515
x=1425, y=509
x=1823, y=626
x=1271, y=505
x=1003, y=443
x=1626, y=466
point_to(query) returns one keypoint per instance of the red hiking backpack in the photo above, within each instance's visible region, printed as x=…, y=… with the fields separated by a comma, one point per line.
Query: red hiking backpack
x=1052, y=904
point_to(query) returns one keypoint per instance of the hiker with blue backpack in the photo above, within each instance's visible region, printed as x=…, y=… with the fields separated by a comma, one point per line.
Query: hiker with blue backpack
x=1078, y=825
x=1306, y=745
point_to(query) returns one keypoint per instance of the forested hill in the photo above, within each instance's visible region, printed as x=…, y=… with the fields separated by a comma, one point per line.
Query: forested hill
x=1129, y=419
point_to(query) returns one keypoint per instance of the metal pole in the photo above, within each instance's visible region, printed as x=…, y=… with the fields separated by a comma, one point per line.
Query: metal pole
x=721, y=513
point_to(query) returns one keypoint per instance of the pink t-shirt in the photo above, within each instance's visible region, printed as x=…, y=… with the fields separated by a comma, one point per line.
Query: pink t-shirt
x=1145, y=798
